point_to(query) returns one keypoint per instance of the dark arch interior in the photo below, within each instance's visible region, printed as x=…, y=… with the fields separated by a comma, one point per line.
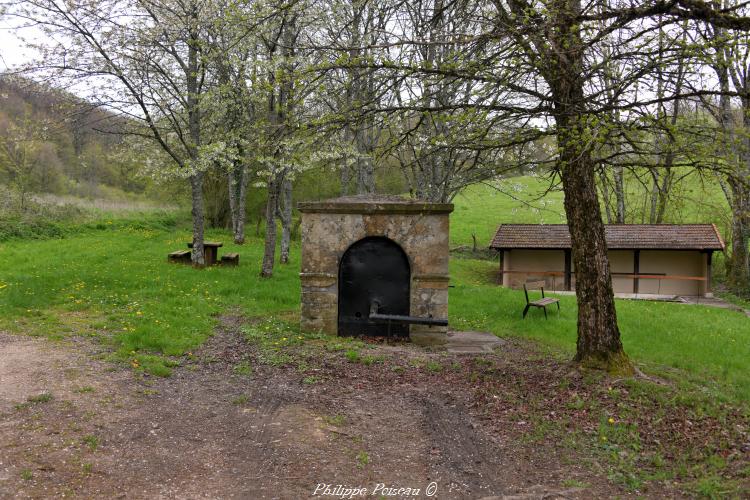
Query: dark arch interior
x=373, y=274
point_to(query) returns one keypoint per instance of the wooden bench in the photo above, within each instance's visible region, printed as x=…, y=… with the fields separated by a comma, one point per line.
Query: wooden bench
x=542, y=303
x=230, y=259
x=181, y=256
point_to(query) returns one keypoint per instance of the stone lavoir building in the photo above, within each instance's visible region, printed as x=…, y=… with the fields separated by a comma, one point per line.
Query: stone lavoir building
x=645, y=259
x=366, y=257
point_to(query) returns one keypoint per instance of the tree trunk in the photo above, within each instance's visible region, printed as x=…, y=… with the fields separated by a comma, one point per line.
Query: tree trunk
x=269, y=249
x=620, y=194
x=738, y=179
x=231, y=189
x=739, y=268
x=239, y=232
x=599, y=344
x=365, y=174
x=666, y=187
x=359, y=94
x=345, y=169
x=605, y=194
x=654, y=196
x=196, y=189
x=194, y=127
x=285, y=214
x=22, y=199
x=237, y=183
x=741, y=278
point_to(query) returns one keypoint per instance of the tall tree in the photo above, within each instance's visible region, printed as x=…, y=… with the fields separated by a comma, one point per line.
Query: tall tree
x=21, y=143
x=535, y=64
x=352, y=33
x=556, y=37
x=728, y=54
x=233, y=63
x=279, y=46
x=144, y=60
x=286, y=146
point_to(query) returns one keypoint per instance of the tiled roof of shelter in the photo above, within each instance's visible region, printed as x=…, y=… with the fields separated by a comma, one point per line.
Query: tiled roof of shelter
x=619, y=236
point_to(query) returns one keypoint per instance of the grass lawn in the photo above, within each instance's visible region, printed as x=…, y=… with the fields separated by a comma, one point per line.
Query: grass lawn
x=117, y=284
x=702, y=343
x=480, y=209
x=709, y=346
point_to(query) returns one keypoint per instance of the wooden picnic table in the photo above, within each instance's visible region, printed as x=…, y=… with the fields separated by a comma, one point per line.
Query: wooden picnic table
x=210, y=251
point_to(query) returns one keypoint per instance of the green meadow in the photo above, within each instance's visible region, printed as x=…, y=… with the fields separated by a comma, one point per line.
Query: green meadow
x=536, y=200
x=116, y=284
x=686, y=343
x=480, y=209
x=111, y=280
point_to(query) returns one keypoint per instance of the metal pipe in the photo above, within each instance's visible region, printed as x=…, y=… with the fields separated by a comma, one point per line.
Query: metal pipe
x=409, y=319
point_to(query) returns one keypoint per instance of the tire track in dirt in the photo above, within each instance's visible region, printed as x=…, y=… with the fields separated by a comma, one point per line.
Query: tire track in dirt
x=263, y=415
x=462, y=458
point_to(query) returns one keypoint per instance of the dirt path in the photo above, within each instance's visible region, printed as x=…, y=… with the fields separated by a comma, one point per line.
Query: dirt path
x=210, y=432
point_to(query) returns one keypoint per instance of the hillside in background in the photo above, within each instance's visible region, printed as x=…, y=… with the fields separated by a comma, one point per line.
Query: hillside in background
x=480, y=209
x=54, y=142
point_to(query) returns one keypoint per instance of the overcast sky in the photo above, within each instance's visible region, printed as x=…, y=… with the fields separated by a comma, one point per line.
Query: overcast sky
x=12, y=51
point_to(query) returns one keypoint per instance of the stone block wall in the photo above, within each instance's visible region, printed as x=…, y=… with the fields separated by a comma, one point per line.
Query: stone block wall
x=330, y=227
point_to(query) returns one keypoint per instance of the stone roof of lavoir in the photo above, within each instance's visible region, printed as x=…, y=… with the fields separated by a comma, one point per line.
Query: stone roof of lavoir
x=374, y=203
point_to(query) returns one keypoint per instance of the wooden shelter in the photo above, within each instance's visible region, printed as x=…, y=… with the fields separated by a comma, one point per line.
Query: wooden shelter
x=653, y=259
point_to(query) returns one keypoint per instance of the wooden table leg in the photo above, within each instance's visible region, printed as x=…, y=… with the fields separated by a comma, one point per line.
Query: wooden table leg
x=210, y=253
